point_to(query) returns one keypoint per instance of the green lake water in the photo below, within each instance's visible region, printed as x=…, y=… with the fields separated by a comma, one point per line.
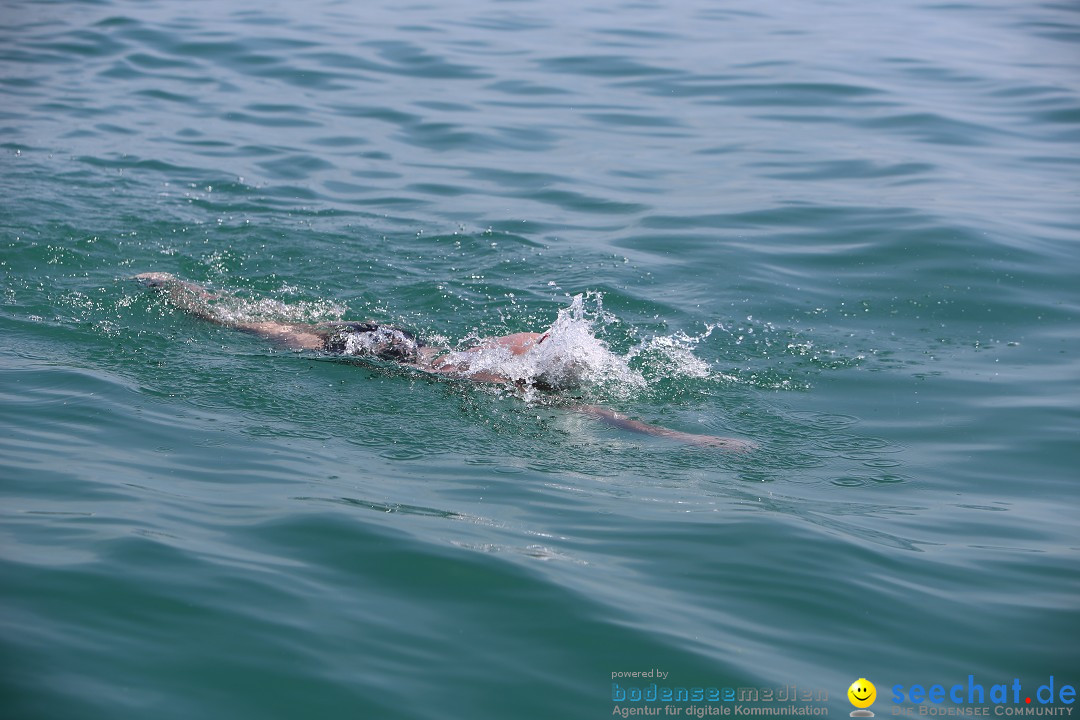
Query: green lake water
x=845, y=231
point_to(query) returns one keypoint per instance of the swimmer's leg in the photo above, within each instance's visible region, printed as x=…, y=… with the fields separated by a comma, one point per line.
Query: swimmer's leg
x=195, y=300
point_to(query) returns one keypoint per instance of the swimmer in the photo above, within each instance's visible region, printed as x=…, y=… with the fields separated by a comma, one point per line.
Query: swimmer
x=394, y=344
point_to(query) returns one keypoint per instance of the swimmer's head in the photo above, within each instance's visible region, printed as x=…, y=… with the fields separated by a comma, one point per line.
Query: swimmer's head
x=382, y=341
x=562, y=373
x=395, y=344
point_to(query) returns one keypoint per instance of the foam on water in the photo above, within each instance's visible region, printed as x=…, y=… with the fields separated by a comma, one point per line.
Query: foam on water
x=573, y=356
x=669, y=356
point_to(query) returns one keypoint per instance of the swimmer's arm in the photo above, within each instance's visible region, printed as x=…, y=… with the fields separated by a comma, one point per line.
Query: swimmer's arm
x=189, y=297
x=457, y=372
x=621, y=421
x=434, y=359
x=609, y=416
x=195, y=300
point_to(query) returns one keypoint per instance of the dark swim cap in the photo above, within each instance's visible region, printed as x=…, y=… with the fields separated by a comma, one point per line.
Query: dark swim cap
x=371, y=339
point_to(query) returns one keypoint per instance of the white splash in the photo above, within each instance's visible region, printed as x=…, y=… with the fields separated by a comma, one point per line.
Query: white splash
x=673, y=355
x=571, y=356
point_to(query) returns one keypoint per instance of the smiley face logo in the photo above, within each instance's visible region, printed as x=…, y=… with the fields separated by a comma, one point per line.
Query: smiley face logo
x=862, y=693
